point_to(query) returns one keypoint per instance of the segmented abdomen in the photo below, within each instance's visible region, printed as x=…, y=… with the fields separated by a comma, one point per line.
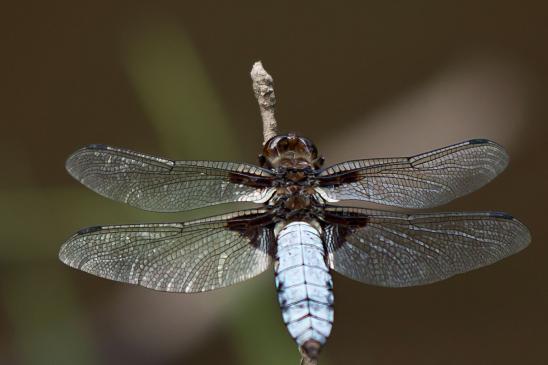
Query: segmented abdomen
x=305, y=287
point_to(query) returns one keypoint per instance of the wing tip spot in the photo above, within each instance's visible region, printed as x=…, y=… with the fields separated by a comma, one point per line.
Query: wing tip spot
x=479, y=141
x=501, y=215
x=97, y=146
x=88, y=230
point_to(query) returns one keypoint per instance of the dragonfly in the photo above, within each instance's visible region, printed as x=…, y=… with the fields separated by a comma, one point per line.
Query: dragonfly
x=295, y=225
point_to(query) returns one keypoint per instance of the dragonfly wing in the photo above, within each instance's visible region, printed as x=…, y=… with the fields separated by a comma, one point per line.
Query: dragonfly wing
x=187, y=257
x=422, y=181
x=157, y=184
x=397, y=250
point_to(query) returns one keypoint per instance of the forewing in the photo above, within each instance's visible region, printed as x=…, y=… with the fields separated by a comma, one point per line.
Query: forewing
x=187, y=257
x=162, y=185
x=397, y=250
x=422, y=181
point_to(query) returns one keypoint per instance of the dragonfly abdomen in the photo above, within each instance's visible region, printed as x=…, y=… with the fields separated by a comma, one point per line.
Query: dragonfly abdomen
x=304, y=286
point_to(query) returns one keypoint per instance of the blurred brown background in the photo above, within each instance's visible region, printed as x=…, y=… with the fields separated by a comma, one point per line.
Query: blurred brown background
x=172, y=78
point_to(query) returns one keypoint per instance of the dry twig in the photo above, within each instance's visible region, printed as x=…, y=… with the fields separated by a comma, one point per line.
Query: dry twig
x=305, y=360
x=264, y=92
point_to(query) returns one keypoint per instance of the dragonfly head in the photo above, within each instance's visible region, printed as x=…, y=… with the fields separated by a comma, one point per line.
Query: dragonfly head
x=290, y=151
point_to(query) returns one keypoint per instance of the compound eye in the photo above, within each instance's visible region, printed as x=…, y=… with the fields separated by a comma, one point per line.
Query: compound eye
x=282, y=143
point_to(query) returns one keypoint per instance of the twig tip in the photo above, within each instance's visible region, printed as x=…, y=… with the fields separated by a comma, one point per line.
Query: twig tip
x=263, y=87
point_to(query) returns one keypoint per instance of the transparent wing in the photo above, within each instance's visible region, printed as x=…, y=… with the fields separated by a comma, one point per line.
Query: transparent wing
x=422, y=181
x=397, y=250
x=162, y=185
x=188, y=257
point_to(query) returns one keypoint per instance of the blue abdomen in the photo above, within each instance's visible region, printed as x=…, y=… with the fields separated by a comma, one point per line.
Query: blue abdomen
x=305, y=287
